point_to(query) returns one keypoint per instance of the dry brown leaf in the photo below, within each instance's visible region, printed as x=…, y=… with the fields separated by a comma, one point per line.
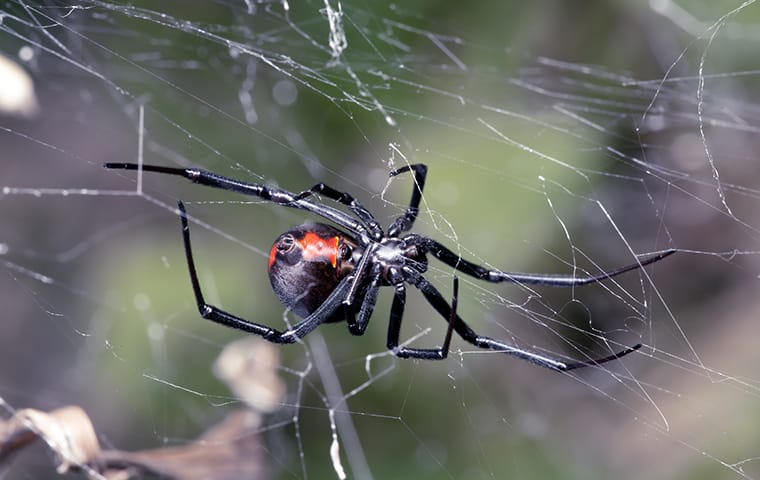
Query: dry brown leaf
x=229, y=450
x=67, y=431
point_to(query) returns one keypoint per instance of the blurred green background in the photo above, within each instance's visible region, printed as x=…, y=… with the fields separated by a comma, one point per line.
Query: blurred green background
x=555, y=133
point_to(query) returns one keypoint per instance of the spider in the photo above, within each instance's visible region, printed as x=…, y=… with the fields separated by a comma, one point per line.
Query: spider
x=325, y=274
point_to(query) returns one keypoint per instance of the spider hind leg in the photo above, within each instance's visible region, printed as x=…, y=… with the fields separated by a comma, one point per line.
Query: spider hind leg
x=434, y=297
x=394, y=328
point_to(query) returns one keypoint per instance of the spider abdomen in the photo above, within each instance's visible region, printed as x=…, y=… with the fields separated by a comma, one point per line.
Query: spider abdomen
x=306, y=263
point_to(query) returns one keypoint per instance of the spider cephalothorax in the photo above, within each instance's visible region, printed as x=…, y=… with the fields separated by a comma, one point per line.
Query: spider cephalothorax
x=328, y=274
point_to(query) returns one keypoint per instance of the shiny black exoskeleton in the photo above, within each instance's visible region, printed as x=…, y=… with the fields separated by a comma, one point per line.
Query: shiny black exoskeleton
x=328, y=274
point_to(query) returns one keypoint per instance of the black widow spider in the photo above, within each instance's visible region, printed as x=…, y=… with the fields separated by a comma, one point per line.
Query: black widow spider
x=327, y=275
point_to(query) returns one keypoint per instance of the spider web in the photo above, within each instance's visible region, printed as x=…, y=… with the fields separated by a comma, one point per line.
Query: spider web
x=557, y=140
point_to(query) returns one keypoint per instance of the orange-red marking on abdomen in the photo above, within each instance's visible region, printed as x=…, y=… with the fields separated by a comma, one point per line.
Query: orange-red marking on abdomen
x=272, y=255
x=313, y=246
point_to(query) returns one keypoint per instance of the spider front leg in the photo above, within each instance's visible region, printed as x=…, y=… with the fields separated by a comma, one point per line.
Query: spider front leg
x=217, y=315
x=394, y=328
x=405, y=222
x=271, y=194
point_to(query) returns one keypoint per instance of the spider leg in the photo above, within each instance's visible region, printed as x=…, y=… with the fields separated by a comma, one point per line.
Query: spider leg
x=217, y=315
x=406, y=221
x=348, y=200
x=394, y=327
x=434, y=297
x=275, y=195
x=549, y=280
